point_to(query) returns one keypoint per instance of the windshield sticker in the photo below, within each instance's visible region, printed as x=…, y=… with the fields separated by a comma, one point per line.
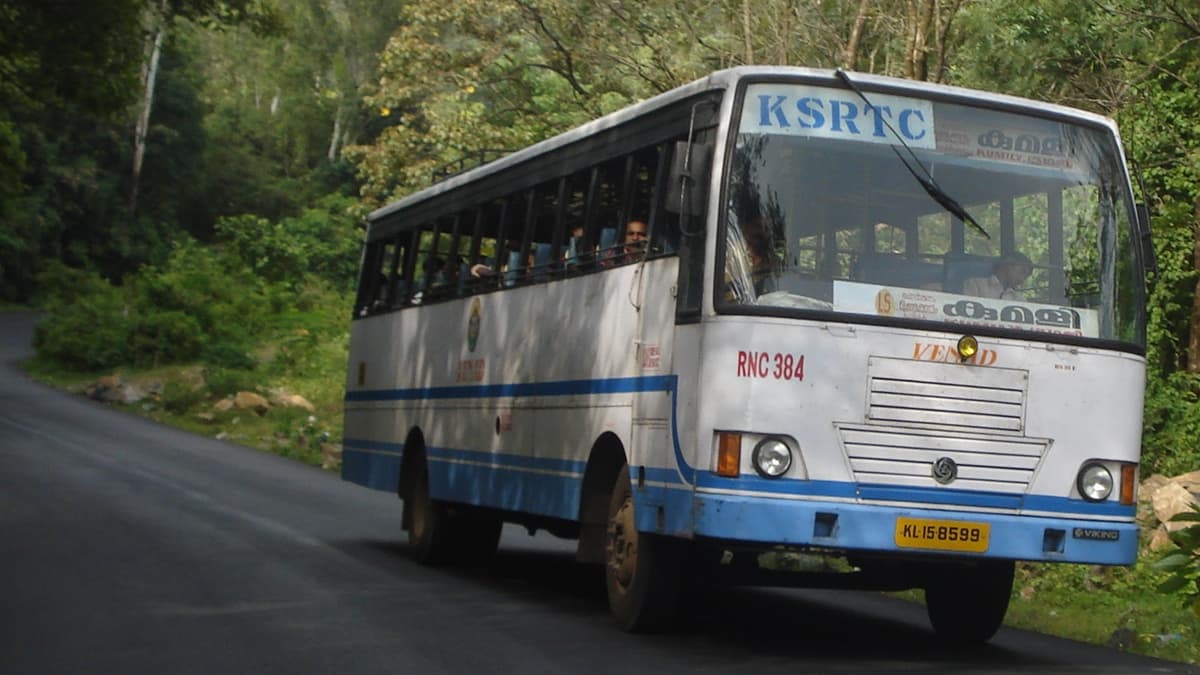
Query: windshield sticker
x=911, y=303
x=818, y=112
x=1001, y=137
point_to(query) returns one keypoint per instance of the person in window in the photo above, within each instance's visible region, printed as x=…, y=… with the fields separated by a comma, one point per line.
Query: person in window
x=635, y=240
x=1008, y=273
x=632, y=248
x=749, y=271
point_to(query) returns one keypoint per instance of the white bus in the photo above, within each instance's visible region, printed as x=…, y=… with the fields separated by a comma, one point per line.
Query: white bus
x=889, y=321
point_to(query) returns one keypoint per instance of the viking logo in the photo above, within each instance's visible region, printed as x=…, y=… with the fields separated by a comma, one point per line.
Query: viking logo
x=945, y=470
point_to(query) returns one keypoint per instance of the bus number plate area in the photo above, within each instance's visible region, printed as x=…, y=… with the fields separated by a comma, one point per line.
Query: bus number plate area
x=942, y=535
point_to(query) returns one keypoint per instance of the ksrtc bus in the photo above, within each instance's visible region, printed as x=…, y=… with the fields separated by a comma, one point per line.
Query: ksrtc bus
x=891, y=321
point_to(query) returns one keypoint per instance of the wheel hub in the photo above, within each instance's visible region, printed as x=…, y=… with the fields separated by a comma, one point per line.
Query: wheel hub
x=622, y=544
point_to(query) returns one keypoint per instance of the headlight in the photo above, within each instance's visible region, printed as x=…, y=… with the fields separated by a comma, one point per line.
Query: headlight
x=1095, y=482
x=772, y=458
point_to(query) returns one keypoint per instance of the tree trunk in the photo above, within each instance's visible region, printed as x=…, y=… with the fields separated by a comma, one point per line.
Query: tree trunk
x=746, y=32
x=337, y=135
x=149, y=77
x=943, y=40
x=850, y=55
x=921, y=41
x=1193, y=353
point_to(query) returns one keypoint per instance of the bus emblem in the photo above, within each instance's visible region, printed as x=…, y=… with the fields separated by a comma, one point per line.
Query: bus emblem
x=884, y=304
x=945, y=470
x=473, y=325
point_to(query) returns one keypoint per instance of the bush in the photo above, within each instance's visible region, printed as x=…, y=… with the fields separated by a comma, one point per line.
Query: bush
x=87, y=326
x=1171, y=425
x=180, y=397
x=324, y=240
x=224, y=382
x=226, y=355
x=166, y=337
x=1183, y=564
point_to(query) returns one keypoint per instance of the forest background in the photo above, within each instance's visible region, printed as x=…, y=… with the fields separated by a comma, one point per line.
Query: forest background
x=183, y=182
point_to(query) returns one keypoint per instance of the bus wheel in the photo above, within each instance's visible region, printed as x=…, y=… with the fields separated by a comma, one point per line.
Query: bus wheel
x=642, y=589
x=430, y=534
x=966, y=605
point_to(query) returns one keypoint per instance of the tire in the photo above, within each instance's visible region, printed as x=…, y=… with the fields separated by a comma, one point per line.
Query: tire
x=643, y=587
x=430, y=534
x=967, y=604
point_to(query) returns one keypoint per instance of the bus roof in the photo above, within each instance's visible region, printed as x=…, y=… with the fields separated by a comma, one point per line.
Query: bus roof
x=723, y=79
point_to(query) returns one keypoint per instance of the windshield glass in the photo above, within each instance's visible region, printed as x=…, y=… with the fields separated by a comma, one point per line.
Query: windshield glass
x=823, y=215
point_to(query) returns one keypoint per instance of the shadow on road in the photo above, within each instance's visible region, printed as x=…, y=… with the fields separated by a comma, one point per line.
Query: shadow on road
x=836, y=629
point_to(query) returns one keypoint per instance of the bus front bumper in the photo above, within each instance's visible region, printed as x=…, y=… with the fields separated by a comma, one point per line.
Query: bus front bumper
x=912, y=529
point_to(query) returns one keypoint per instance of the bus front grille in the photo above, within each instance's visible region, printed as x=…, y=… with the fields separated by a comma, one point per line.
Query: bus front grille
x=902, y=456
x=950, y=396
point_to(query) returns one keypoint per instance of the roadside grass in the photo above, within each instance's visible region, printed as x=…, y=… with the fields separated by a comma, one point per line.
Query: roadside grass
x=186, y=396
x=1113, y=606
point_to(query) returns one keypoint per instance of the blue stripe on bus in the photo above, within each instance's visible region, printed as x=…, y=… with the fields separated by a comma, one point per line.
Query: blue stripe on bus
x=618, y=385
x=508, y=461
x=916, y=495
x=364, y=462
x=372, y=469
x=506, y=487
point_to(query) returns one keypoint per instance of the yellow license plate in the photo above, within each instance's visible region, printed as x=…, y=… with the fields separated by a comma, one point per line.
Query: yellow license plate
x=942, y=535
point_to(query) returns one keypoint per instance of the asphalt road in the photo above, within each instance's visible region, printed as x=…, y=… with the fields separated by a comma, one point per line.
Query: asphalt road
x=129, y=547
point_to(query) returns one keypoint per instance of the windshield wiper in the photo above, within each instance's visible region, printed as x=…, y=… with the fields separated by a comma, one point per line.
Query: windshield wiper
x=926, y=181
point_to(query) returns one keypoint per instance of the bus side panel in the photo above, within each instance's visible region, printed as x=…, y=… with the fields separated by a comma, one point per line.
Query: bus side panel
x=510, y=390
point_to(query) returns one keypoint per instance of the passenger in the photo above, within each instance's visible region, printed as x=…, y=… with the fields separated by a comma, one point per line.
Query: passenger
x=632, y=248
x=749, y=268
x=1008, y=273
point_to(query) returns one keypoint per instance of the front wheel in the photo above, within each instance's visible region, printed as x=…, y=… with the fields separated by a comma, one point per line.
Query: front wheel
x=967, y=604
x=643, y=589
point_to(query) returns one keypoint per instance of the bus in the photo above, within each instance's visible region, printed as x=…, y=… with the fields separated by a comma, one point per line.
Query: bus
x=773, y=314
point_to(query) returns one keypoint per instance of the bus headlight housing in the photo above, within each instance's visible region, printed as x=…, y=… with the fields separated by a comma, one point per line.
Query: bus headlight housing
x=1095, y=482
x=772, y=457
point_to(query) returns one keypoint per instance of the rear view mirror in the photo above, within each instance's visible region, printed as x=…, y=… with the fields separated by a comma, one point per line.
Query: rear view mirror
x=687, y=186
x=1145, y=241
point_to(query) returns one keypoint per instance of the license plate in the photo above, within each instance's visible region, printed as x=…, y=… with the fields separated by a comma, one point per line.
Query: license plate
x=942, y=535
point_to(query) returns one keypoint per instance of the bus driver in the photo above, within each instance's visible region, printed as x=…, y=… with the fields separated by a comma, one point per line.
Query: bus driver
x=1009, y=272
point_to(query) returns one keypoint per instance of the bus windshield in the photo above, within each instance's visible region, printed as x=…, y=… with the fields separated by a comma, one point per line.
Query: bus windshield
x=823, y=214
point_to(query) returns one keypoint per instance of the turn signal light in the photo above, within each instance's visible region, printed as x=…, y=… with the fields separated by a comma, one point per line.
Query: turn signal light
x=729, y=454
x=1128, y=484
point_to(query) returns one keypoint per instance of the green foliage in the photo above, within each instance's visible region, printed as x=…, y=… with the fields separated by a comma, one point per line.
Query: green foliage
x=1183, y=564
x=1171, y=426
x=88, y=325
x=222, y=382
x=324, y=240
x=170, y=336
x=180, y=397
x=228, y=355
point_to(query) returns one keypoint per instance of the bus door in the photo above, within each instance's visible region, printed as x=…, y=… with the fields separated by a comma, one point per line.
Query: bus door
x=651, y=456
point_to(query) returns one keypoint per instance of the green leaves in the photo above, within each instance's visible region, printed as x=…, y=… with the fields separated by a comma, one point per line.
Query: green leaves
x=1183, y=565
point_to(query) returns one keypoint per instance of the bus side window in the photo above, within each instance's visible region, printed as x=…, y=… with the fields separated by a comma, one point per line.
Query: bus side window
x=574, y=246
x=608, y=239
x=541, y=261
x=373, y=283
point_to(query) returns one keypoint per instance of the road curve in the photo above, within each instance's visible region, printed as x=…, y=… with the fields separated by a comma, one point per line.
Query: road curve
x=130, y=547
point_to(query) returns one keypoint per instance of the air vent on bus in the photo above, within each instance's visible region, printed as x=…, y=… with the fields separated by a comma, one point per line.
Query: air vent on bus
x=946, y=396
x=904, y=457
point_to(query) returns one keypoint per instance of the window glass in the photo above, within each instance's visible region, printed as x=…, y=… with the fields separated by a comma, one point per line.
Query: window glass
x=823, y=215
